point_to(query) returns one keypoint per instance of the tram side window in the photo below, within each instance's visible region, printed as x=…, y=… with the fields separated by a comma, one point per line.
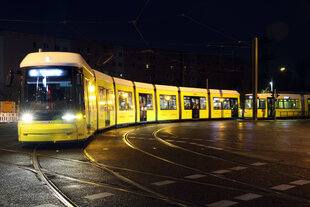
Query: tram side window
x=187, y=103
x=248, y=103
x=125, y=100
x=146, y=101
x=221, y=103
x=216, y=103
x=225, y=103
x=203, y=103
x=287, y=103
x=261, y=104
x=168, y=102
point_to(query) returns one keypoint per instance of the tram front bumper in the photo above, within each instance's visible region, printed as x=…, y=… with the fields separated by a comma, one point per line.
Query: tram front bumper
x=47, y=132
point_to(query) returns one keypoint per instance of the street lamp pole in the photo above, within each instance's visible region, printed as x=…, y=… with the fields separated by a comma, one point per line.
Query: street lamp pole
x=255, y=74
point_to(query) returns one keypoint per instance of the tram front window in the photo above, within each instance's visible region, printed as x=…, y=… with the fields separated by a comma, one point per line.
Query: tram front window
x=49, y=91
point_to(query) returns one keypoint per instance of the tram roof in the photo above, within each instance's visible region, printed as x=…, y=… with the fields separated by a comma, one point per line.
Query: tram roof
x=54, y=59
x=166, y=88
x=144, y=85
x=124, y=82
x=103, y=76
x=197, y=90
x=217, y=91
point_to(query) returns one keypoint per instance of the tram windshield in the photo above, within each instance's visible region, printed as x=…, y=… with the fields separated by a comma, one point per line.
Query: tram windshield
x=48, y=89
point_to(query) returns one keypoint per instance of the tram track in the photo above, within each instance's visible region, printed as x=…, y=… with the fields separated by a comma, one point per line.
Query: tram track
x=43, y=174
x=55, y=190
x=126, y=169
x=90, y=182
x=259, y=189
x=231, y=151
x=113, y=168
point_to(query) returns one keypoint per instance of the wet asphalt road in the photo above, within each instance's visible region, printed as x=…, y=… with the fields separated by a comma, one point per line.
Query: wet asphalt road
x=201, y=163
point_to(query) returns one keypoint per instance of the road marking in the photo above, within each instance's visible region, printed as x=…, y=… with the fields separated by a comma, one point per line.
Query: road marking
x=196, y=176
x=238, y=168
x=99, y=195
x=170, y=140
x=300, y=182
x=181, y=141
x=217, y=148
x=247, y=197
x=221, y=171
x=223, y=203
x=46, y=205
x=258, y=164
x=165, y=182
x=283, y=187
x=72, y=186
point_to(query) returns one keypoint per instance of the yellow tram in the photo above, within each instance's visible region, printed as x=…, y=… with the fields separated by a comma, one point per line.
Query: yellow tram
x=64, y=99
x=287, y=105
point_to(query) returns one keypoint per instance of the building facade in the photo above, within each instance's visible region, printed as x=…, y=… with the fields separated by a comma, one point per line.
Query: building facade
x=132, y=63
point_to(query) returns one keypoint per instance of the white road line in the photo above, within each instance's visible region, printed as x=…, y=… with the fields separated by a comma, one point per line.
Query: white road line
x=47, y=205
x=170, y=140
x=300, y=182
x=221, y=171
x=258, y=164
x=238, y=168
x=99, y=195
x=72, y=186
x=196, y=176
x=247, y=197
x=223, y=203
x=165, y=182
x=282, y=187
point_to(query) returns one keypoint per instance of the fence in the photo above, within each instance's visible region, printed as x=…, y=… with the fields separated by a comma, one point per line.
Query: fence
x=8, y=117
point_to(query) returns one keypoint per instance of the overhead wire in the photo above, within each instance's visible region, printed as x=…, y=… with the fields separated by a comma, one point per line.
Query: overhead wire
x=134, y=23
x=210, y=28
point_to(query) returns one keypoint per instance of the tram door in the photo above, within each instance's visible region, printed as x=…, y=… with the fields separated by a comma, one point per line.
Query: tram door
x=234, y=107
x=270, y=107
x=143, y=106
x=195, y=103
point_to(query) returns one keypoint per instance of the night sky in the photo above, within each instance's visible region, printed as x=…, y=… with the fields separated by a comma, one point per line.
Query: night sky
x=215, y=27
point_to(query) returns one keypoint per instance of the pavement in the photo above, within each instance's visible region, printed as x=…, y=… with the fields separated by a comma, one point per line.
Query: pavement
x=202, y=163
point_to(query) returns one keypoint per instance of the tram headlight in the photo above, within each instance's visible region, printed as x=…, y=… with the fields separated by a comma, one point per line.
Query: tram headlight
x=68, y=117
x=71, y=116
x=27, y=117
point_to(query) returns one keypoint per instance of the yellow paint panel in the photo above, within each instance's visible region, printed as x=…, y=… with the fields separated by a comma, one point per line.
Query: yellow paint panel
x=125, y=116
x=167, y=114
x=187, y=114
x=223, y=113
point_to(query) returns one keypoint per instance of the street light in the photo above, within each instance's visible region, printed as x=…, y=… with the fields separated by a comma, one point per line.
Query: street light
x=271, y=85
x=282, y=69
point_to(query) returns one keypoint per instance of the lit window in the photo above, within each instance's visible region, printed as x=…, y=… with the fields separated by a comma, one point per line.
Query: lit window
x=125, y=100
x=168, y=102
